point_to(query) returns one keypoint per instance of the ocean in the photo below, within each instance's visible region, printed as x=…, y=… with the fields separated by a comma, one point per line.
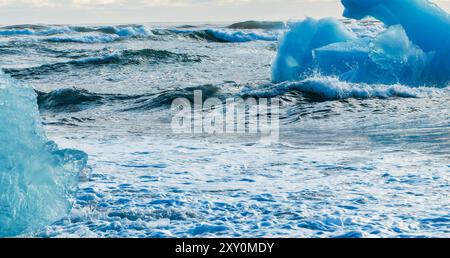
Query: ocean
x=352, y=159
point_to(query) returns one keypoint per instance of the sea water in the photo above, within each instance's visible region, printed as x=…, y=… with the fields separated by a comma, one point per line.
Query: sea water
x=355, y=158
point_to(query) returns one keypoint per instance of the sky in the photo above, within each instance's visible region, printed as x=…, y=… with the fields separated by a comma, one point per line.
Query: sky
x=138, y=11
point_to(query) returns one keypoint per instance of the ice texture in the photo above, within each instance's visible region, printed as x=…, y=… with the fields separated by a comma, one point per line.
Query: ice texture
x=37, y=180
x=295, y=52
x=414, y=48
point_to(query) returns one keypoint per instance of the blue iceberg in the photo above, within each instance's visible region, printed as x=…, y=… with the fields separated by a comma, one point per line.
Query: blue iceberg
x=37, y=180
x=296, y=50
x=414, y=48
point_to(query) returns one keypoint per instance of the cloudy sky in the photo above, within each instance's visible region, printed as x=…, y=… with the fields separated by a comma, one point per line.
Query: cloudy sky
x=128, y=11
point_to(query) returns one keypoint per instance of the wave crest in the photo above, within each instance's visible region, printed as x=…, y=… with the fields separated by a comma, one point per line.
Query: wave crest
x=74, y=100
x=324, y=87
x=227, y=36
x=34, y=30
x=126, y=57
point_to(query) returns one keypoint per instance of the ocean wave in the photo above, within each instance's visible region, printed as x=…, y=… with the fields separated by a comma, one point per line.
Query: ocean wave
x=193, y=34
x=34, y=30
x=314, y=89
x=74, y=100
x=121, y=31
x=84, y=39
x=165, y=98
x=104, y=34
x=241, y=36
x=329, y=88
x=127, y=31
x=107, y=34
x=162, y=55
x=67, y=100
x=126, y=57
x=45, y=69
x=13, y=32
x=227, y=36
x=79, y=34
x=25, y=26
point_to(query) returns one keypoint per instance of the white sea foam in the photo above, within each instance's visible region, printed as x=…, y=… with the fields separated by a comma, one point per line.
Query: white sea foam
x=332, y=88
x=30, y=31
x=85, y=39
x=242, y=36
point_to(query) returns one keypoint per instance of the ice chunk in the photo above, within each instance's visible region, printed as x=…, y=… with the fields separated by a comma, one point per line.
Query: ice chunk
x=295, y=53
x=389, y=58
x=393, y=52
x=350, y=54
x=426, y=25
x=414, y=49
x=37, y=181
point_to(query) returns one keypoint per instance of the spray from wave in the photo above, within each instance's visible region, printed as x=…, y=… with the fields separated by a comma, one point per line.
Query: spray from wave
x=331, y=88
x=227, y=35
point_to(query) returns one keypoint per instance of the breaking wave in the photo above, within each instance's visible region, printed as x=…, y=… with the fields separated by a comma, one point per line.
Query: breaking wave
x=239, y=32
x=84, y=39
x=74, y=100
x=328, y=88
x=127, y=31
x=68, y=100
x=317, y=88
x=226, y=35
x=34, y=30
x=38, y=30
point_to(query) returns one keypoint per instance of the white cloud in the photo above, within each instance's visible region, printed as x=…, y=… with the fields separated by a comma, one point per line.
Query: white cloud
x=55, y=3
x=124, y=11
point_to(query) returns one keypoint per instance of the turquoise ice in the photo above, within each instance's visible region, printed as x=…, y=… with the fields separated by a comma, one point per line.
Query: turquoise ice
x=414, y=49
x=37, y=181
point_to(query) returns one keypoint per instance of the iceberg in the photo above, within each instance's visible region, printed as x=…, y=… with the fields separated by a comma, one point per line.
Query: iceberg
x=37, y=180
x=413, y=49
x=295, y=52
x=426, y=25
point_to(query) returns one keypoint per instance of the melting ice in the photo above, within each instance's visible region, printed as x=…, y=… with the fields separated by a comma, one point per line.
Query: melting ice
x=37, y=180
x=406, y=52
